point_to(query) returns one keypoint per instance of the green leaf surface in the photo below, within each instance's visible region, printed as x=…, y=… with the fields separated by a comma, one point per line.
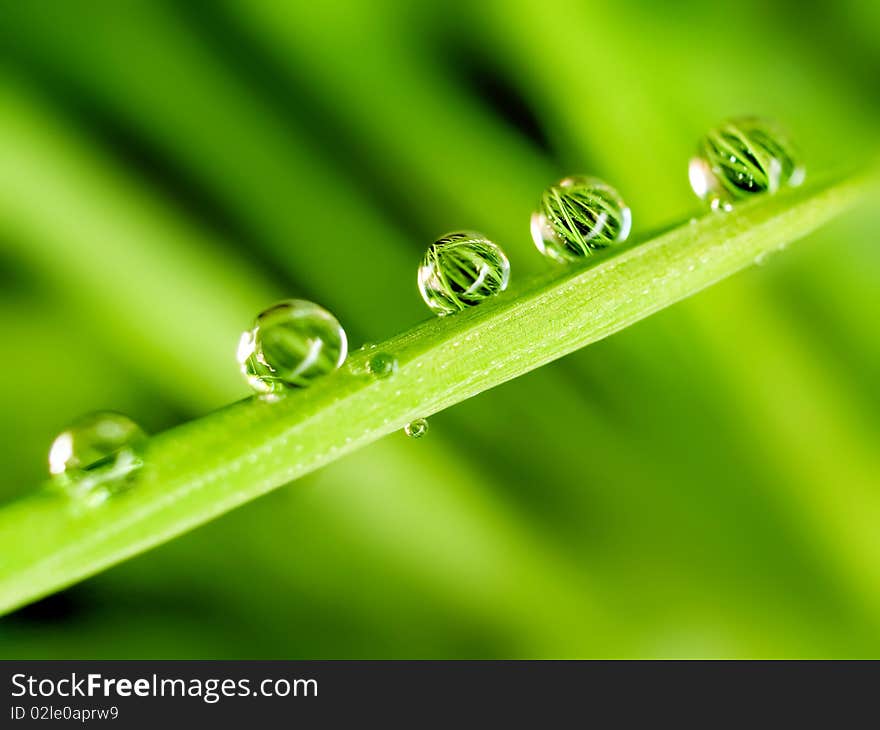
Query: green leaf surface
x=207, y=467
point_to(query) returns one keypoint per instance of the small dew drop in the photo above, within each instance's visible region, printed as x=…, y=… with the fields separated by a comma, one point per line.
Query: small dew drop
x=271, y=397
x=97, y=456
x=291, y=344
x=416, y=429
x=382, y=365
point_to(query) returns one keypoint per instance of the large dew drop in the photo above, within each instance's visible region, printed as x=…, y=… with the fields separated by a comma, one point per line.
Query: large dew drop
x=743, y=157
x=460, y=270
x=578, y=216
x=290, y=345
x=97, y=456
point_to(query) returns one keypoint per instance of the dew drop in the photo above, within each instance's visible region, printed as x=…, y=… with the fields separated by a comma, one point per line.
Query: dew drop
x=416, y=429
x=290, y=345
x=96, y=456
x=460, y=270
x=743, y=157
x=578, y=216
x=382, y=365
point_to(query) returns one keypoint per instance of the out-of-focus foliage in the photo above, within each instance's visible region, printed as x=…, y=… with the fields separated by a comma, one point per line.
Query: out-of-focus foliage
x=703, y=484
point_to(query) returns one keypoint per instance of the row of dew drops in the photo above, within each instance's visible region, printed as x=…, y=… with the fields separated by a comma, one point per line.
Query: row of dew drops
x=295, y=342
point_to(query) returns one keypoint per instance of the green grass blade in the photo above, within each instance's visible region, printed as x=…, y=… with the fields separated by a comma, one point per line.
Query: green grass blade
x=202, y=469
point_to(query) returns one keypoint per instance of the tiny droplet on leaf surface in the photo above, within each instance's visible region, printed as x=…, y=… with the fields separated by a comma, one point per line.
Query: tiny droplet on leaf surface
x=382, y=365
x=416, y=429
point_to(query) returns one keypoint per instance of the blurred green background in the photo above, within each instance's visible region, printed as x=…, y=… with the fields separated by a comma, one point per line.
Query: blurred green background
x=706, y=483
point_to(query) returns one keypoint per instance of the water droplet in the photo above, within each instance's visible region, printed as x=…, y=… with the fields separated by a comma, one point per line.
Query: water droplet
x=577, y=216
x=291, y=344
x=460, y=270
x=743, y=157
x=416, y=429
x=96, y=455
x=382, y=365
